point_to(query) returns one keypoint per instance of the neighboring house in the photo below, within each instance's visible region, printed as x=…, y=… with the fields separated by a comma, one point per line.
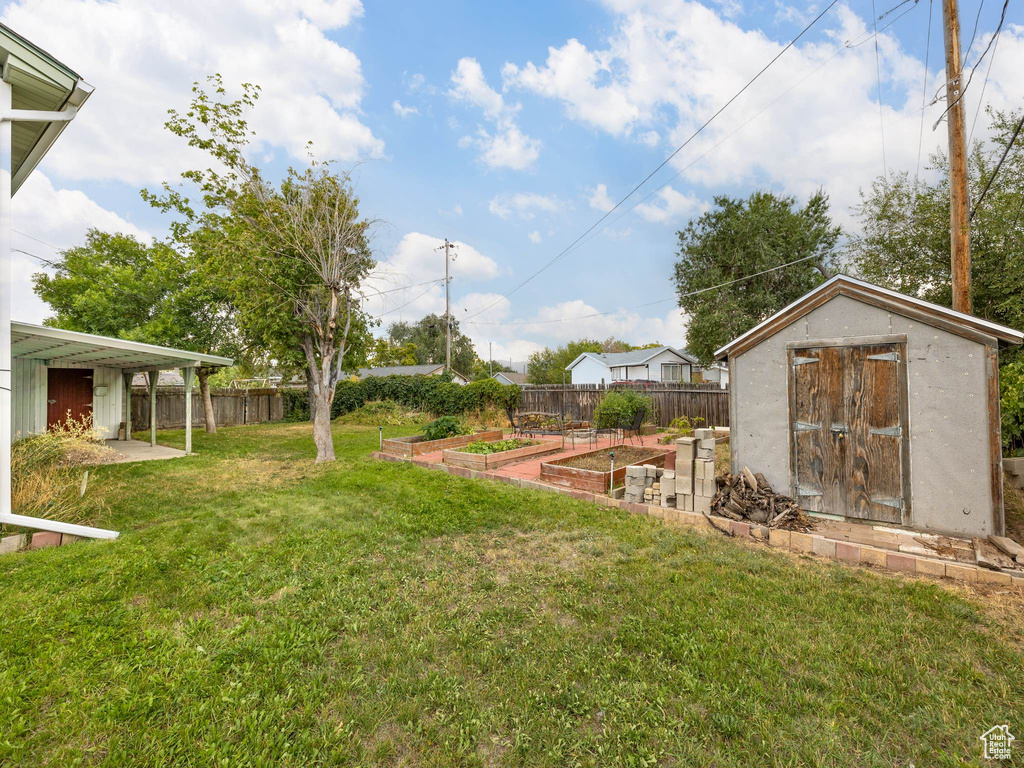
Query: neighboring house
x=716, y=373
x=665, y=364
x=509, y=377
x=430, y=369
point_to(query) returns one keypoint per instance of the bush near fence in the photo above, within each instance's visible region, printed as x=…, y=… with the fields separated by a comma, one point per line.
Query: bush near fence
x=429, y=394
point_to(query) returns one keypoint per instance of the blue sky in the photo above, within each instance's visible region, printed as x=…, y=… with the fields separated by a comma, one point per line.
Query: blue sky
x=506, y=127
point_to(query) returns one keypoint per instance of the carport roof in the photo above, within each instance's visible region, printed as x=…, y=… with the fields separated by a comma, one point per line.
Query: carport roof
x=71, y=348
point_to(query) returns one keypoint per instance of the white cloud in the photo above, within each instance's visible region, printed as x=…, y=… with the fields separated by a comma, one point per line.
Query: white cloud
x=599, y=199
x=507, y=146
x=674, y=205
x=649, y=139
x=143, y=57
x=525, y=205
x=662, y=70
x=400, y=281
x=401, y=111
x=46, y=220
x=534, y=237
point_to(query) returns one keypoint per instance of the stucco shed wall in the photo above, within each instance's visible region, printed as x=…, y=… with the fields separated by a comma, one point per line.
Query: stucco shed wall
x=948, y=412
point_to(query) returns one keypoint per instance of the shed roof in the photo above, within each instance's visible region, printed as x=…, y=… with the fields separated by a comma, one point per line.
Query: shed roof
x=908, y=306
x=60, y=347
x=38, y=82
x=633, y=357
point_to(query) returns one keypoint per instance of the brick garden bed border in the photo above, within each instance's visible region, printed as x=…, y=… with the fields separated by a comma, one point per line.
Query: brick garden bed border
x=415, y=445
x=557, y=473
x=804, y=543
x=485, y=461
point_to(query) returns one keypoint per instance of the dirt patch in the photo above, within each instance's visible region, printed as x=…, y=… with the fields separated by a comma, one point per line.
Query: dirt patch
x=600, y=461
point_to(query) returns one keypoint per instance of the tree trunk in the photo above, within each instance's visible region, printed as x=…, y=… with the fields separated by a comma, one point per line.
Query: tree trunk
x=203, y=374
x=322, y=436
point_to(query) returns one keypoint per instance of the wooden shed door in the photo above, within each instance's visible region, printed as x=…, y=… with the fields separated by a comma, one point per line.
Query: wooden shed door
x=68, y=392
x=847, y=406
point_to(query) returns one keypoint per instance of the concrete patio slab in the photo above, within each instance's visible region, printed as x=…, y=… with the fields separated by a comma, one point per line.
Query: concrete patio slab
x=136, y=450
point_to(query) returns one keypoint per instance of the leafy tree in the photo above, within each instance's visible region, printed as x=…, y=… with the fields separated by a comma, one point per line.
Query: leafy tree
x=384, y=353
x=114, y=285
x=290, y=255
x=904, y=239
x=482, y=369
x=739, y=238
x=428, y=337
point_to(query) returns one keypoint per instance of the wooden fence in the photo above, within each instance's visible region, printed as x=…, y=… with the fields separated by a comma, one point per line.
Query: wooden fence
x=231, y=407
x=668, y=401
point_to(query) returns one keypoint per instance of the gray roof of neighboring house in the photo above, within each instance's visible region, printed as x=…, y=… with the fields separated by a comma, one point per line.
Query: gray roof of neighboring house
x=515, y=378
x=401, y=370
x=633, y=357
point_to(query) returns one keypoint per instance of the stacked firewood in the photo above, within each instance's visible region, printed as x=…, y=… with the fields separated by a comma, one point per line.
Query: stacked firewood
x=748, y=496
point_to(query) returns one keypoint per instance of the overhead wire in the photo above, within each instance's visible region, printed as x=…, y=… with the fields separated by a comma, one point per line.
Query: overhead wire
x=665, y=162
x=924, y=90
x=878, y=76
x=651, y=303
x=995, y=171
x=981, y=96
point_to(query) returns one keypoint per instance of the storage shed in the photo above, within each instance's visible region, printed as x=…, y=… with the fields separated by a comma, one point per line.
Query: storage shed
x=870, y=405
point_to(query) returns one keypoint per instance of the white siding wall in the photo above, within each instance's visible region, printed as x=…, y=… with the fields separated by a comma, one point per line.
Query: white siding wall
x=28, y=399
x=591, y=371
x=654, y=372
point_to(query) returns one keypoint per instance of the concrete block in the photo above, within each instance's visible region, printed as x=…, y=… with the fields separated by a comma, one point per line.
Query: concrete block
x=708, y=487
x=705, y=453
x=801, y=542
x=13, y=543
x=961, y=572
x=43, y=539
x=895, y=561
x=68, y=538
x=759, y=532
x=702, y=504
x=847, y=552
x=739, y=529
x=668, y=474
x=635, y=471
x=873, y=556
x=823, y=547
x=651, y=470
x=778, y=538
x=931, y=567
x=668, y=486
x=684, y=501
x=985, y=576
x=684, y=485
x=656, y=486
x=707, y=445
x=704, y=433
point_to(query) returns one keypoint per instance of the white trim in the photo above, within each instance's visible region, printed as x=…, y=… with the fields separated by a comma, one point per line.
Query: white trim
x=892, y=294
x=42, y=524
x=179, y=357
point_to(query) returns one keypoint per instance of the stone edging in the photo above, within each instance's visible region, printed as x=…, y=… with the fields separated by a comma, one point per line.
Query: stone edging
x=846, y=552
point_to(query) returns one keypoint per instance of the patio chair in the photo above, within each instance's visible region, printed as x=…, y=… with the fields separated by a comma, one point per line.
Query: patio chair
x=635, y=425
x=513, y=419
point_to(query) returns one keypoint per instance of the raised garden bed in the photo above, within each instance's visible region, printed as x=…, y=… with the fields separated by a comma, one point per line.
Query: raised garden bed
x=590, y=471
x=415, y=445
x=484, y=461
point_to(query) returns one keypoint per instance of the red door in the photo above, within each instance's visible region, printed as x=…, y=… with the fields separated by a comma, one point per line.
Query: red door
x=68, y=394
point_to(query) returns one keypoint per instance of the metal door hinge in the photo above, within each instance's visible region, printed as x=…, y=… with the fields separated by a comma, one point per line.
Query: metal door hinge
x=804, y=360
x=840, y=428
x=894, y=503
x=802, y=491
x=803, y=426
x=887, y=431
x=885, y=356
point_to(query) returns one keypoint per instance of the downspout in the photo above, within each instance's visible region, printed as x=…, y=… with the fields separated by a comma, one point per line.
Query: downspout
x=7, y=117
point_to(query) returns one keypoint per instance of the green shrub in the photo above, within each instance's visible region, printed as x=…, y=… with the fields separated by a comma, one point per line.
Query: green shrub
x=382, y=412
x=1011, y=407
x=497, y=446
x=446, y=426
x=428, y=394
x=619, y=407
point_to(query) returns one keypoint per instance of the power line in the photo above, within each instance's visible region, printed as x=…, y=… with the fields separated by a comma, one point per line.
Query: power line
x=678, y=149
x=878, y=76
x=995, y=171
x=977, y=17
x=651, y=303
x=924, y=90
x=403, y=306
x=981, y=96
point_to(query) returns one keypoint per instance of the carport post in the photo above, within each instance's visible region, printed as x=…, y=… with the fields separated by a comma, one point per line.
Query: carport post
x=188, y=374
x=5, y=302
x=127, y=379
x=154, y=377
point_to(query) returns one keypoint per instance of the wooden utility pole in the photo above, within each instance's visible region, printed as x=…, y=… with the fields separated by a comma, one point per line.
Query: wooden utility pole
x=449, y=248
x=959, y=235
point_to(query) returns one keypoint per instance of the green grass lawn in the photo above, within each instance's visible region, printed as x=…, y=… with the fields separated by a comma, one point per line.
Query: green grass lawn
x=262, y=611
